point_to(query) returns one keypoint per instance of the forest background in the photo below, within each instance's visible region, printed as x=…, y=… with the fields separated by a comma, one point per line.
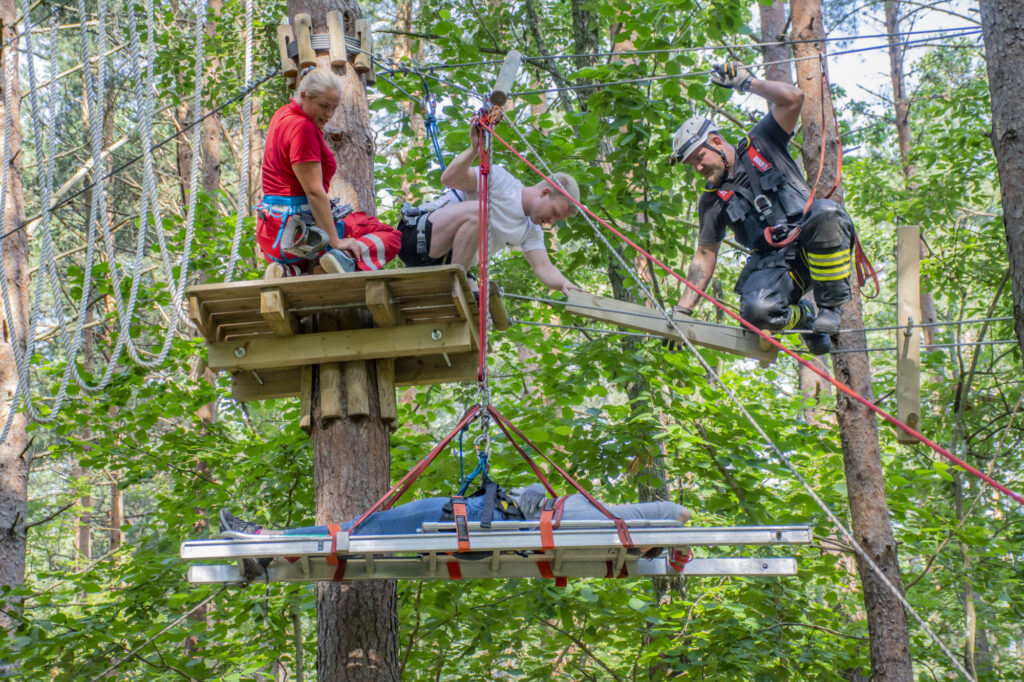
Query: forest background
x=122, y=475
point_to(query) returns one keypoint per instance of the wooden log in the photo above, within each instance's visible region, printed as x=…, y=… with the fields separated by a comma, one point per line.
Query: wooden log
x=338, y=52
x=274, y=308
x=357, y=388
x=303, y=36
x=363, y=62
x=496, y=304
x=332, y=405
x=305, y=396
x=463, y=307
x=378, y=300
x=506, y=78
x=715, y=336
x=271, y=352
x=286, y=35
x=386, y=389
x=908, y=338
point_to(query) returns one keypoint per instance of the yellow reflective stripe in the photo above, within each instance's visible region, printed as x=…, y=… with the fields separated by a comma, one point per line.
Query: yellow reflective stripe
x=845, y=267
x=794, y=317
x=830, y=278
x=827, y=258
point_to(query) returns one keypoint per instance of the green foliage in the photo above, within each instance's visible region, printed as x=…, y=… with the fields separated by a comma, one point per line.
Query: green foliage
x=622, y=414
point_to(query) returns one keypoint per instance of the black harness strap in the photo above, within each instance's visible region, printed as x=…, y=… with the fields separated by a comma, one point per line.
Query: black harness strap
x=490, y=498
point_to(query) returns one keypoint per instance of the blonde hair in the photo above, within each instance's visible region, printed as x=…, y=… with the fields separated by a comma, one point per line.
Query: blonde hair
x=318, y=81
x=569, y=184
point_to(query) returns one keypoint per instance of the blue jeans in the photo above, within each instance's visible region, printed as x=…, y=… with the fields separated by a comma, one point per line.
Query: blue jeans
x=404, y=519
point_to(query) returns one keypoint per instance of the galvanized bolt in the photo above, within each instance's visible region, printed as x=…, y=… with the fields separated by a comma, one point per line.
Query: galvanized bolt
x=765, y=565
x=436, y=335
x=239, y=351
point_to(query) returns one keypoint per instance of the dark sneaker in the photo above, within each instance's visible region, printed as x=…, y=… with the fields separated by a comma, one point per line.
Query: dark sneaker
x=818, y=344
x=335, y=262
x=827, y=321
x=229, y=523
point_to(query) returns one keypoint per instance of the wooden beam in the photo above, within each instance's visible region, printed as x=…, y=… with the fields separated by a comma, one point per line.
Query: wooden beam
x=506, y=78
x=496, y=304
x=329, y=377
x=378, y=300
x=195, y=313
x=287, y=383
x=338, y=52
x=272, y=352
x=357, y=388
x=386, y=389
x=908, y=337
x=363, y=63
x=274, y=309
x=285, y=35
x=715, y=336
x=303, y=36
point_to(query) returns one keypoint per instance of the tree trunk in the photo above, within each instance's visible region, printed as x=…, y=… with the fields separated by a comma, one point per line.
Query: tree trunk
x=13, y=450
x=211, y=124
x=1002, y=22
x=116, y=513
x=858, y=430
x=357, y=625
x=773, y=30
x=901, y=105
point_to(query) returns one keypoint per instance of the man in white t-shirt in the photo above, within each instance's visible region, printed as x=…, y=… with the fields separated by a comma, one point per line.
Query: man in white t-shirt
x=446, y=230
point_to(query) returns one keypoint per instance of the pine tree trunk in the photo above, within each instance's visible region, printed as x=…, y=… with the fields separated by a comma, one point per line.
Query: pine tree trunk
x=1002, y=22
x=773, y=30
x=357, y=624
x=13, y=455
x=211, y=124
x=858, y=429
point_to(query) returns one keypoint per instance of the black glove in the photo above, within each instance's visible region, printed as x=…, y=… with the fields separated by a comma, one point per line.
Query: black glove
x=678, y=313
x=732, y=75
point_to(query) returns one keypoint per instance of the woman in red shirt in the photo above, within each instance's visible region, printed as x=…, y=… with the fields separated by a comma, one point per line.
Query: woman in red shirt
x=296, y=223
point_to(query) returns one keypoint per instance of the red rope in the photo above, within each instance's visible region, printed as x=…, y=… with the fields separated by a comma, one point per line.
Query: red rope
x=770, y=339
x=485, y=171
x=392, y=496
x=620, y=524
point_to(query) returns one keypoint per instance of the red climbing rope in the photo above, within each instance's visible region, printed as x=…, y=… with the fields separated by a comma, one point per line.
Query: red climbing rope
x=485, y=171
x=770, y=339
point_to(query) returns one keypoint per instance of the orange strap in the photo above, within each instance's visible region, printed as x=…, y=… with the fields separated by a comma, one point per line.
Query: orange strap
x=610, y=572
x=545, y=572
x=454, y=570
x=332, y=558
x=461, y=522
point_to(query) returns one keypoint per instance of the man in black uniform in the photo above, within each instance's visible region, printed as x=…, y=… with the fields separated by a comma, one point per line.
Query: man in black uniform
x=756, y=189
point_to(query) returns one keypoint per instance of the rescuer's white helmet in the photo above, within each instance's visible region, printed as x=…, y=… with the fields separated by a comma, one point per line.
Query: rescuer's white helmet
x=692, y=134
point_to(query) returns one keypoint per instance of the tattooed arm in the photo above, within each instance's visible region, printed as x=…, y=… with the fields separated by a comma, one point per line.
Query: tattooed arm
x=701, y=268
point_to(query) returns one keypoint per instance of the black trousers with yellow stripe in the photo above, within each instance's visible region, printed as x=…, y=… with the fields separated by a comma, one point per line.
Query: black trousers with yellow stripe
x=773, y=282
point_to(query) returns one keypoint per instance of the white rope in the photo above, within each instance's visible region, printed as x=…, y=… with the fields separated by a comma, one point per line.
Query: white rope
x=847, y=535
x=7, y=67
x=242, y=204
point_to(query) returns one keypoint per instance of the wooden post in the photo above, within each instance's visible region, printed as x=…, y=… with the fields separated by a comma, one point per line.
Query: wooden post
x=363, y=62
x=330, y=378
x=286, y=35
x=506, y=78
x=338, y=52
x=303, y=36
x=908, y=340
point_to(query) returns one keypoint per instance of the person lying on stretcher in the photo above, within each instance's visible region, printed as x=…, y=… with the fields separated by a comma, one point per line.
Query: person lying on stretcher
x=517, y=504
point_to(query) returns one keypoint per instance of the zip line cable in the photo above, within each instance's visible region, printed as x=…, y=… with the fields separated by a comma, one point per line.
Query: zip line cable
x=593, y=219
x=671, y=50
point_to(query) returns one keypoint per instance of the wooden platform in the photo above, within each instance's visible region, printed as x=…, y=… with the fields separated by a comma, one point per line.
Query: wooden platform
x=734, y=340
x=424, y=319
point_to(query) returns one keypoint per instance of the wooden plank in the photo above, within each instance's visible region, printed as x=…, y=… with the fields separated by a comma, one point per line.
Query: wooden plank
x=274, y=309
x=272, y=352
x=496, y=304
x=506, y=77
x=303, y=36
x=357, y=389
x=908, y=339
x=717, y=337
x=338, y=52
x=386, y=389
x=329, y=376
x=433, y=369
x=411, y=371
x=195, y=314
x=378, y=300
